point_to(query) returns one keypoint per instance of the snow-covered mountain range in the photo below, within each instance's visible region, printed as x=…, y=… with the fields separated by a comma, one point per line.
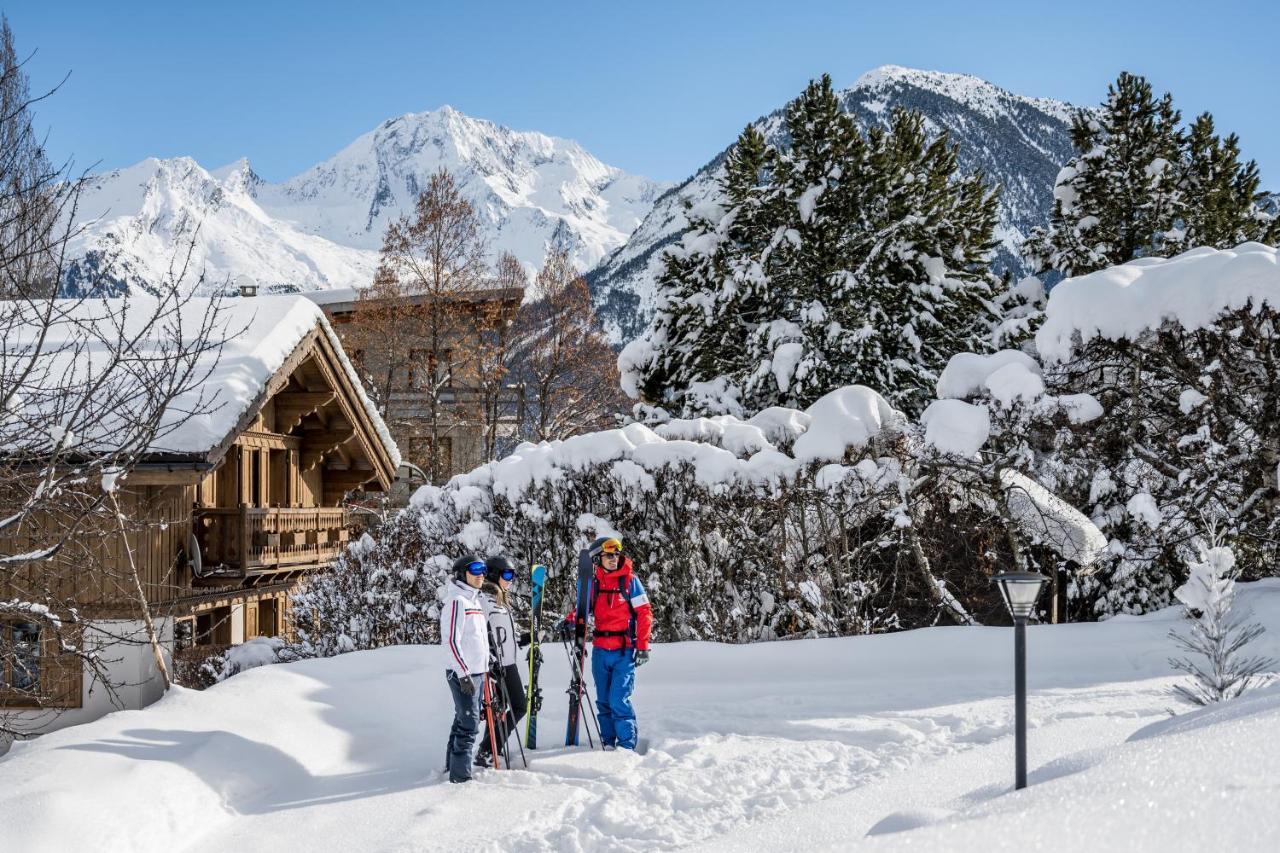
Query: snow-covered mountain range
x=1018, y=142
x=323, y=228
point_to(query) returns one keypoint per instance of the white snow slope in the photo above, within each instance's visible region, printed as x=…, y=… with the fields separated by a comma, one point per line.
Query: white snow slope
x=324, y=227
x=889, y=742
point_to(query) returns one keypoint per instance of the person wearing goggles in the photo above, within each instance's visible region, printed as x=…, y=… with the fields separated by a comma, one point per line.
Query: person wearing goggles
x=506, y=639
x=623, y=623
x=464, y=633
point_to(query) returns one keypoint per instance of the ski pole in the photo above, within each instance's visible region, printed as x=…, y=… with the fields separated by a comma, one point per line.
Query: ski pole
x=586, y=694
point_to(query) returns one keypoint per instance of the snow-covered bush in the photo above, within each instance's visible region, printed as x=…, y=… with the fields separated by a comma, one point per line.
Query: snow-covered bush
x=835, y=520
x=1181, y=357
x=1218, y=667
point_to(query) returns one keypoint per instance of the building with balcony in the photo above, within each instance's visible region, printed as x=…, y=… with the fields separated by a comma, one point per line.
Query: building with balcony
x=226, y=513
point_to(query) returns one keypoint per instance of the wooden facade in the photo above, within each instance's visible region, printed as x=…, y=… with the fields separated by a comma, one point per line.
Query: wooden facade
x=470, y=316
x=220, y=538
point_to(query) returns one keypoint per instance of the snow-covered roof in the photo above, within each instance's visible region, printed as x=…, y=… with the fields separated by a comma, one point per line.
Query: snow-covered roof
x=258, y=334
x=1192, y=289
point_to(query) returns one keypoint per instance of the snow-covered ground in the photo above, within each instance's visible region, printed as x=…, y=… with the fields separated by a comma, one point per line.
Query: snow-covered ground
x=899, y=741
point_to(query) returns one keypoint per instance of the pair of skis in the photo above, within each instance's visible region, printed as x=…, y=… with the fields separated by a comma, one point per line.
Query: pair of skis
x=577, y=654
x=497, y=704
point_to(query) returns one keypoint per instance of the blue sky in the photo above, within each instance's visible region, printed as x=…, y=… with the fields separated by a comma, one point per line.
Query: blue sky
x=655, y=88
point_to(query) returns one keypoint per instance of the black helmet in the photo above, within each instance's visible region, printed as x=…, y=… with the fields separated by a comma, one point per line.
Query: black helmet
x=495, y=566
x=605, y=544
x=463, y=565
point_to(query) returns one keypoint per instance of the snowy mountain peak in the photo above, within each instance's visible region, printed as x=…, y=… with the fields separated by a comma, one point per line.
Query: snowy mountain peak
x=966, y=89
x=324, y=227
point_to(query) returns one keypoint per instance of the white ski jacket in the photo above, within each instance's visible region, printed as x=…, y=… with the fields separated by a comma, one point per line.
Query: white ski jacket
x=503, y=626
x=464, y=631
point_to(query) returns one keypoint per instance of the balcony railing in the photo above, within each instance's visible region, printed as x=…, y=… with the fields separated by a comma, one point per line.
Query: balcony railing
x=257, y=539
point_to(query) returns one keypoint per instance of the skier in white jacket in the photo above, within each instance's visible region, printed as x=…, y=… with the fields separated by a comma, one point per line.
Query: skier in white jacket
x=464, y=634
x=506, y=640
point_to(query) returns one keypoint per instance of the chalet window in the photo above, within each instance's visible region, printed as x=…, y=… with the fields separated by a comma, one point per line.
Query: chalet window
x=267, y=618
x=444, y=369
x=420, y=454
x=415, y=371
x=20, y=656
x=425, y=367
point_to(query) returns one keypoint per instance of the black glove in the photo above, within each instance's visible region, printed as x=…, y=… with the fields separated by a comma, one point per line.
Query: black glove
x=466, y=685
x=524, y=639
x=642, y=657
x=563, y=630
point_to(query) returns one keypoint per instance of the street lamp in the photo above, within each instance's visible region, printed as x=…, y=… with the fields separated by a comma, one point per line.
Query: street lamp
x=1020, y=591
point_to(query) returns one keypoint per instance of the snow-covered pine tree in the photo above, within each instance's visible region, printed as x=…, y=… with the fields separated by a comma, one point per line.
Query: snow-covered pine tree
x=799, y=351
x=844, y=259
x=709, y=296
x=1140, y=186
x=1117, y=199
x=1216, y=662
x=923, y=263
x=1222, y=201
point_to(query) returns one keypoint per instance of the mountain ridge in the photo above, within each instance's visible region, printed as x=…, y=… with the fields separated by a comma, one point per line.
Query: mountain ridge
x=323, y=227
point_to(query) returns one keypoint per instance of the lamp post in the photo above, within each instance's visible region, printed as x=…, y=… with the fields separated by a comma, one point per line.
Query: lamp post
x=1020, y=591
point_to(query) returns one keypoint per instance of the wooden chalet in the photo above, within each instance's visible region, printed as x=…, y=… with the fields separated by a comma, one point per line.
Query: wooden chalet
x=227, y=519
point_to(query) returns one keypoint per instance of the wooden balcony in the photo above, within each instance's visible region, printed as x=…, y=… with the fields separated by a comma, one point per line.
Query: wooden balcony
x=252, y=540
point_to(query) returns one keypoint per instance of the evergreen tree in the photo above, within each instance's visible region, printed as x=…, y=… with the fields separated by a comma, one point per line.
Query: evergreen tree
x=797, y=351
x=846, y=258
x=1222, y=196
x=923, y=263
x=1141, y=186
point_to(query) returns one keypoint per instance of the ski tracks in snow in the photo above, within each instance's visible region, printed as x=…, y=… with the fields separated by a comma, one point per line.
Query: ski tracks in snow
x=693, y=787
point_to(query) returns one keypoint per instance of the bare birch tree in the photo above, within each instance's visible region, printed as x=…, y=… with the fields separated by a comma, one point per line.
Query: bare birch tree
x=568, y=370
x=88, y=389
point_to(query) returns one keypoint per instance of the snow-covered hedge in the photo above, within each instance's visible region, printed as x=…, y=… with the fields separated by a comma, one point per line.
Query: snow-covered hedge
x=1148, y=413
x=834, y=520
x=1170, y=370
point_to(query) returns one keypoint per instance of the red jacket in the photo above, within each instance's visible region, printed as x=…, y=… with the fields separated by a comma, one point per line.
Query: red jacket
x=607, y=602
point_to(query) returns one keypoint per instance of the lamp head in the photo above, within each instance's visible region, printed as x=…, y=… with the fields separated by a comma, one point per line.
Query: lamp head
x=1020, y=591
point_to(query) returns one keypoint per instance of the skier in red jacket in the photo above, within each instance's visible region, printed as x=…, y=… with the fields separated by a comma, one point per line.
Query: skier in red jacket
x=623, y=620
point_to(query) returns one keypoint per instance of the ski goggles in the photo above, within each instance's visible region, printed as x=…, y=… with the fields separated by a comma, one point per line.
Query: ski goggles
x=508, y=574
x=476, y=567
x=611, y=546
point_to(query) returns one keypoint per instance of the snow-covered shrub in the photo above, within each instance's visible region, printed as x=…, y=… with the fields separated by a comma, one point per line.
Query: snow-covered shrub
x=836, y=520
x=1181, y=357
x=1218, y=667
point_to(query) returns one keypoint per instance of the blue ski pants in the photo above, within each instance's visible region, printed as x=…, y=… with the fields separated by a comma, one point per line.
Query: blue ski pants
x=614, y=671
x=466, y=722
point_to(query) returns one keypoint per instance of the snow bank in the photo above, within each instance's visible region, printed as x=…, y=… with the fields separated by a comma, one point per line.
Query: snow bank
x=968, y=373
x=954, y=426
x=1191, y=289
x=846, y=418
x=750, y=747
